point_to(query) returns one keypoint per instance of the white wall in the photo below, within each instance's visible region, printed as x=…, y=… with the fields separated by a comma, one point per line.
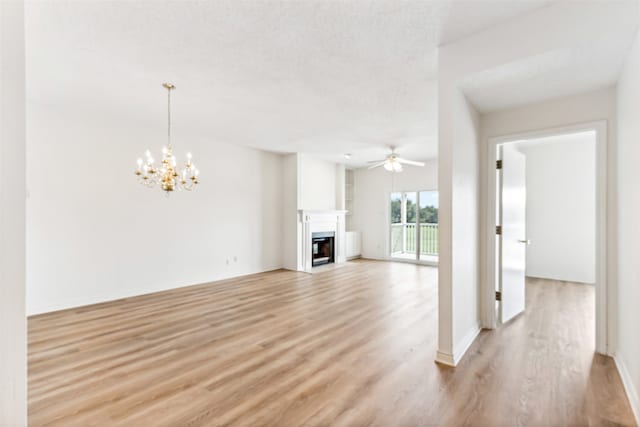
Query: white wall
x=340, y=186
x=458, y=181
x=290, y=226
x=317, y=180
x=95, y=234
x=372, y=189
x=586, y=107
x=13, y=325
x=464, y=226
x=561, y=198
x=628, y=174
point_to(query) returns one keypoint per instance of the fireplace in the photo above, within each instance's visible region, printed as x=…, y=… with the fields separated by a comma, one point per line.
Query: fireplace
x=322, y=249
x=328, y=227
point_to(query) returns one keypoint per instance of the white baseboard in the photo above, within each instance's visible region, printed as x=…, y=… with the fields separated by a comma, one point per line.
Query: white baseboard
x=459, y=349
x=629, y=387
x=445, y=358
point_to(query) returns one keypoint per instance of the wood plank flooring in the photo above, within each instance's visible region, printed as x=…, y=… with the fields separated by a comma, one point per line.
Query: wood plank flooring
x=348, y=347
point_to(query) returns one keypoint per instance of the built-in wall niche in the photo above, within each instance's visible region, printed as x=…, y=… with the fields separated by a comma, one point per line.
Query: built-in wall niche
x=349, y=192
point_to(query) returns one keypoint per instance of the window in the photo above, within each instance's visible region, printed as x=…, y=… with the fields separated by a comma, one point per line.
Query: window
x=414, y=225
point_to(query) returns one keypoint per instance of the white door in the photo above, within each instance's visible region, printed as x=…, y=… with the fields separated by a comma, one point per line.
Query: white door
x=513, y=238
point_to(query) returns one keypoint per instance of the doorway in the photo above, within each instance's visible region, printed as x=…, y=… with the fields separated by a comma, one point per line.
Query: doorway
x=414, y=226
x=543, y=227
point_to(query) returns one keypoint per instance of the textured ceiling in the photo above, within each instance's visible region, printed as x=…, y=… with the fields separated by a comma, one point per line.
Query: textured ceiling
x=569, y=70
x=307, y=76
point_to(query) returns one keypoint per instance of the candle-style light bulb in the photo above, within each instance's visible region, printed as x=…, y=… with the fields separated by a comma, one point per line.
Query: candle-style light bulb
x=139, y=163
x=147, y=153
x=189, y=156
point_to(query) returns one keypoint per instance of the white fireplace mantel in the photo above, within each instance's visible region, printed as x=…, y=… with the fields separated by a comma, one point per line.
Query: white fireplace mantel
x=314, y=221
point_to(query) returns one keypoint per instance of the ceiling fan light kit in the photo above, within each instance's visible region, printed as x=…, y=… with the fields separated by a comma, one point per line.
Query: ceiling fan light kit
x=393, y=163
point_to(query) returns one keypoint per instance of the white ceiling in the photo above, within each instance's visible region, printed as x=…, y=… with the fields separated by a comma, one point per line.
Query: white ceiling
x=317, y=77
x=556, y=73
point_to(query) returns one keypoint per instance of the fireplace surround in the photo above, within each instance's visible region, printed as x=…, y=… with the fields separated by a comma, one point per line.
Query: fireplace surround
x=312, y=222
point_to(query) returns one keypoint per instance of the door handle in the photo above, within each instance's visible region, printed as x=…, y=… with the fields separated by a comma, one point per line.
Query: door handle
x=526, y=241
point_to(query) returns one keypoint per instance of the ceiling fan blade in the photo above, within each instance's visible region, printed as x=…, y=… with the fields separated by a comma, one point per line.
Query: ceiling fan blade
x=376, y=161
x=377, y=165
x=409, y=162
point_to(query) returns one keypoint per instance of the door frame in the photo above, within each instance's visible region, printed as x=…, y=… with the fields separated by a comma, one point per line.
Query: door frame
x=603, y=311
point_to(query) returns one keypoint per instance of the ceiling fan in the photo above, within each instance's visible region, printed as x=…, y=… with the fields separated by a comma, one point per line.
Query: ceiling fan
x=393, y=163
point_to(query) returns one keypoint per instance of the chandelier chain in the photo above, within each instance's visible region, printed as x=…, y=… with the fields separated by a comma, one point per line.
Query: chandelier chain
x=169, y=117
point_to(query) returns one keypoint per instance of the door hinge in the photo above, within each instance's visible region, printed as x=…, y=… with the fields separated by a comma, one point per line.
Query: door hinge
x=498, y=296
x=498, y=229
x=499, y=164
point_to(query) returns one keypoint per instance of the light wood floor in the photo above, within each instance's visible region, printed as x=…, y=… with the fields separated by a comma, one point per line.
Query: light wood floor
x=349, y=347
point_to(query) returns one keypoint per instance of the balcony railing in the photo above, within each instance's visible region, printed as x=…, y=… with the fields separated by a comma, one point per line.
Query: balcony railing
x=404, y=238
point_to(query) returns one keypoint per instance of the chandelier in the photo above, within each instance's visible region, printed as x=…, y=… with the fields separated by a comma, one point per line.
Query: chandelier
x=167, y=175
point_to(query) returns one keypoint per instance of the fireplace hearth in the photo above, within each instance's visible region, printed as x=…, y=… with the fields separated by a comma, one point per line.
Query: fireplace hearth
x=322, y=248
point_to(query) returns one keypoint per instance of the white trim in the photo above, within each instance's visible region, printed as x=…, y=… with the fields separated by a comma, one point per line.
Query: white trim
x=629, y=388
x=411, y=261
x=408, y=261
x=445, y=359
x=459, y=350
x=488, y=285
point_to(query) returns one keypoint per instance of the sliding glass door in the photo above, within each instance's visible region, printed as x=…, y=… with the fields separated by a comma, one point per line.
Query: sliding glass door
x=414, y=225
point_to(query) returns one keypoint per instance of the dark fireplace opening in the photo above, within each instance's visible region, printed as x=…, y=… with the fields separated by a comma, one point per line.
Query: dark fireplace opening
x=322, y=248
